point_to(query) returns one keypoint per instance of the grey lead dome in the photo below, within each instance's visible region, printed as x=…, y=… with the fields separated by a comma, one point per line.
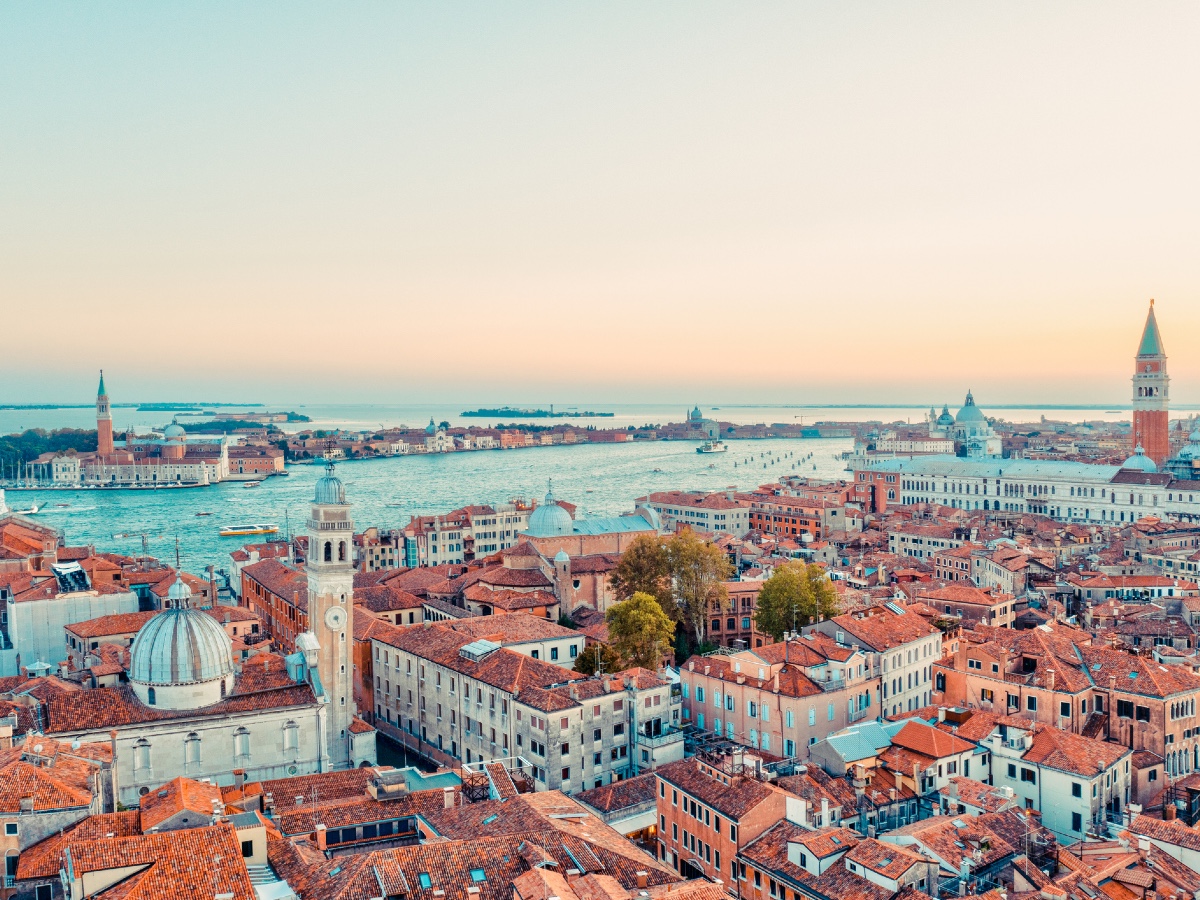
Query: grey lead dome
x=330, y=491
x=180, y=645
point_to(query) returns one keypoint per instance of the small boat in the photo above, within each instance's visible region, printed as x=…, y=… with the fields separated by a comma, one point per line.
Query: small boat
x=239, y=530
x=27, y=512
x=61, y=505
x=251, y=484
x=203, y=514
x=712, y=447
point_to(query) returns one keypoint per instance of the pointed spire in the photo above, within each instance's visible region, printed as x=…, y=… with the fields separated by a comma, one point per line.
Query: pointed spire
x=100, y=392
x=1151, y=344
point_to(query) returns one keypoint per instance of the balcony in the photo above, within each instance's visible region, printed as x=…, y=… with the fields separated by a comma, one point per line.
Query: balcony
x=661, y=740
x=858, y=716
x=834, y=684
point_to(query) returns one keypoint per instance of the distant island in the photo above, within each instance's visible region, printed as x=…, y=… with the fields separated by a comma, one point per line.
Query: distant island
x=184, y=407
x=535, y=413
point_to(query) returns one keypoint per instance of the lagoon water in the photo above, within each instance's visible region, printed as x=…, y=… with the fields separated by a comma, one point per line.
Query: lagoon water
x=602, y=479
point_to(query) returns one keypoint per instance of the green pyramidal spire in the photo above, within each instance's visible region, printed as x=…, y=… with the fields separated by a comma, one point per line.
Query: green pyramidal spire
x=101, y=391
x=1151, y=344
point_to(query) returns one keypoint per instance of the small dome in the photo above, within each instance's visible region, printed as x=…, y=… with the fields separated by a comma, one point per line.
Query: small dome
x=430, y=428
x=330, y=491
x=179, y=594
x=561, y=557
x=945, y=419
x=970, y=413
x=695, y=415
x=180, y=646
x=550, y=520
x=174, y=430
x=1140, y=462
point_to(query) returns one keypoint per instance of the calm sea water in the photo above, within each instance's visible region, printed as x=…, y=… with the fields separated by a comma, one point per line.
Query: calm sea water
x=602, y=479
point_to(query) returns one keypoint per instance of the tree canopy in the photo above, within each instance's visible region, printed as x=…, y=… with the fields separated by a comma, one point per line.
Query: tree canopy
x=644, y=567
x=598, y=658
x=794, y=596
x=640, y=631
x=699, y=571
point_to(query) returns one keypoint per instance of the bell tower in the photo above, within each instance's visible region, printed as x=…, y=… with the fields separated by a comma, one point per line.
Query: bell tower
x=104, y=432
x=330, y=569
x=1150, y=399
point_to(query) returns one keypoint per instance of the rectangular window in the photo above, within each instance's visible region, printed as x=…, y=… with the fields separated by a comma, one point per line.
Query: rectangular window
x=1076, y=822
x=1076, y=789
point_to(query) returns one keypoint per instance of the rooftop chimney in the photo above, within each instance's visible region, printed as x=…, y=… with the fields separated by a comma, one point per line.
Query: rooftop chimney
x=321, y=845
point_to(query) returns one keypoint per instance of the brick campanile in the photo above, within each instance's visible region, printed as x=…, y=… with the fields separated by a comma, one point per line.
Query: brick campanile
x=1150, y=398
x=104, y=433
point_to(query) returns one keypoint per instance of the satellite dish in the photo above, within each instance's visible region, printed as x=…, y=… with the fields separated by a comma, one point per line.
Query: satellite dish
x=37, y=749
x=76, y=744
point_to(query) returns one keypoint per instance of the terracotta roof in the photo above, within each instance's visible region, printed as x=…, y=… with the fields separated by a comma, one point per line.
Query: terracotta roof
x=620, y=795
x=1073, y=753
x=1175, y=832
x=53, y=782
x=178, y=796
x=881, y=629
x=44, y=858
x=930, y=742
x=103, y=708
x=192, y=864
x=889, y=860
x=118, y=623
x=501, y=576
x=732, y=800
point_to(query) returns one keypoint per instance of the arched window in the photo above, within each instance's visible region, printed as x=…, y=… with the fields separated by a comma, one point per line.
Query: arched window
x=191, y=752
x=341, y=551
x=291, y=737
x=222, y=689
x=241, y=744
x=141, y=756
x=328, y=551
x=151, y=697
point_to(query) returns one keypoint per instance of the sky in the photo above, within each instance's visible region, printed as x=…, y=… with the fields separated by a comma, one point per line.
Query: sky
x=480, y=202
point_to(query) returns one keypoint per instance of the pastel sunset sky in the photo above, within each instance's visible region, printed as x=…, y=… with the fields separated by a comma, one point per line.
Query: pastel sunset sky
x=766, y=202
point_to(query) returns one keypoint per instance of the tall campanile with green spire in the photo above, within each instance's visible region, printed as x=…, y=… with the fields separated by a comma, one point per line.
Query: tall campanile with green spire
x=1151, y=428
x=104, y=432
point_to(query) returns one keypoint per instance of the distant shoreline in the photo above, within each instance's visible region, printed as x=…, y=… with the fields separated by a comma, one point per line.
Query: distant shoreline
x=502, y=411
x=144, y=407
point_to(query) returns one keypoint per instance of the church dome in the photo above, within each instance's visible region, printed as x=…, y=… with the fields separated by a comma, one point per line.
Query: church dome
x=330, y=491
x=1140, y=462
x=970, y=413
x=174, y=431
x=945, y=419
x=695, y=415
x=561, y=558
x=550, y=520
x=1192, y=449
x=181, y=647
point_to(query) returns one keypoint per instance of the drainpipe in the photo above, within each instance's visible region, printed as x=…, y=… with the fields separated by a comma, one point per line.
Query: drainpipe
x=112, y=735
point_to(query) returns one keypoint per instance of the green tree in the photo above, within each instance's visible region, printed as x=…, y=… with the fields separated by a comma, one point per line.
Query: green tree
x=640, y=631
x=699, y=571
x=794, y=596
x=644, y=567
x=598, y=658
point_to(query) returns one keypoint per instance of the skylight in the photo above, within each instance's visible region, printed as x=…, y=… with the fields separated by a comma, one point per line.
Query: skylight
x=425, y=880
x=490, y=819
x=334, y=871
x=477, y=875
